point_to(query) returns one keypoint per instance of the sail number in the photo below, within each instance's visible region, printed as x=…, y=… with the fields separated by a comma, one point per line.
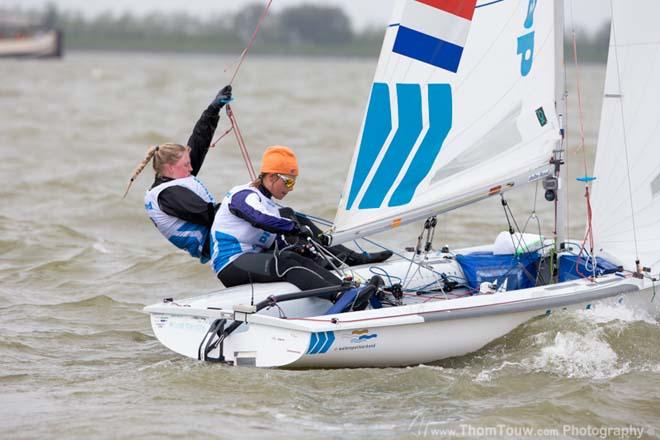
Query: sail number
x=526, y=42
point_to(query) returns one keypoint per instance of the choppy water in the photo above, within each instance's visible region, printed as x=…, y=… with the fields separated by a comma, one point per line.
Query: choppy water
x=78, y=263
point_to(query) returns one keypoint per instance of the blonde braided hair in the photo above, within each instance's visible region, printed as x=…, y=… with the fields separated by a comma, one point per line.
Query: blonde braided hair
x=162, y=155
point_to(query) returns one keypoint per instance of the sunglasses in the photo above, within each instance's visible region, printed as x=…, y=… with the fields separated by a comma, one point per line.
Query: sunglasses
x=288, y=181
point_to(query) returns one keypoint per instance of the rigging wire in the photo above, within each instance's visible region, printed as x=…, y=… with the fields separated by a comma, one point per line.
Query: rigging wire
x=587, y=179
x=581, y=145
x=251, y=41
x=230, y=113
x=241, y=143
x=412, y=260
x=625, y=140
x=240, y=140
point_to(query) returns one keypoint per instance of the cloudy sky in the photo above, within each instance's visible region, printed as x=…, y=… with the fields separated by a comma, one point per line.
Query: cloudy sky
x=590, y=14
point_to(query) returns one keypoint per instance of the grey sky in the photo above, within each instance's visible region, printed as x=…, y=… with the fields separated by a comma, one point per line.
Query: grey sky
x=590, y=14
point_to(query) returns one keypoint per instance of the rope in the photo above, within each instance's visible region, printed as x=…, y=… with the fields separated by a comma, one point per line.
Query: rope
x=587, y=179
x=240, y=140
x=241, y=143
x=251, y=42
x=580, y=108
x=381, y=246
x=221, y=136
x=588, y=236
x=328, y=256
x=230, y=113
x=281, y=275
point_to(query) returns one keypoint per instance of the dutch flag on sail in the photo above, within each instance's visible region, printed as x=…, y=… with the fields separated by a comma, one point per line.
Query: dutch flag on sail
x=435, y=31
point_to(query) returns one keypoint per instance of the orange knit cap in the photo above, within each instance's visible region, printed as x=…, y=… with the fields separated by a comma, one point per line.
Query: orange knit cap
x=279, y=159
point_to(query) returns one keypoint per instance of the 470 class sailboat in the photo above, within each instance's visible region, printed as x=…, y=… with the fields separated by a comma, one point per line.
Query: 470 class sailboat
x=467, y=103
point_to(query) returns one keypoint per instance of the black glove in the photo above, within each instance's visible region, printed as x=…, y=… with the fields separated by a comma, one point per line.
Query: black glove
x=305, y=232
x=223, y=97
x=294, y=235
x=324, y=239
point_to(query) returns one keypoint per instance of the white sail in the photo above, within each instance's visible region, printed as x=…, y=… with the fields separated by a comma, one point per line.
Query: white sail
x=462, y=107
x=626, y=196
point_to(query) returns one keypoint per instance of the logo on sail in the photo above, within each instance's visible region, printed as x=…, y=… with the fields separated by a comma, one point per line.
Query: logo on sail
x=526, y=42
x=435, y=31
x=411, y=151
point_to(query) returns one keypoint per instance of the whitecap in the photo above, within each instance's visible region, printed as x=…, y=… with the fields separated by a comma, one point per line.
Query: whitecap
x=607, y=313
x=99, y=246
x=577, y=355
x=487, y=375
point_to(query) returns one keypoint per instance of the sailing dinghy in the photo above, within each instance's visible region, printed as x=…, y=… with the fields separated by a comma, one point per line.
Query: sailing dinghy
x=467, y=103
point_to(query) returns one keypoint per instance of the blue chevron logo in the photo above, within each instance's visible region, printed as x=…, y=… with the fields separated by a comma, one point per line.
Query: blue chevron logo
x=399, y=151
x=320, y=343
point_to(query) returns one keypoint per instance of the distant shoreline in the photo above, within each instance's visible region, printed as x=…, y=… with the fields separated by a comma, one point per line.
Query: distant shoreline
x=257, y=54
x=357, y=49
x=224, y=53
x=303, y=30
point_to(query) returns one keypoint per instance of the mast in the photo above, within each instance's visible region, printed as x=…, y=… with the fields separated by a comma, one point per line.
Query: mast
x=559, y=157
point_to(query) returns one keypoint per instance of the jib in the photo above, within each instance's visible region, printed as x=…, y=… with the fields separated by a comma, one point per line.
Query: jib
x=526, y=42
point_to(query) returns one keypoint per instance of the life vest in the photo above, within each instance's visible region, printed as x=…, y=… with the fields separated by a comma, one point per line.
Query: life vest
x=182, y=234
x=232, y=236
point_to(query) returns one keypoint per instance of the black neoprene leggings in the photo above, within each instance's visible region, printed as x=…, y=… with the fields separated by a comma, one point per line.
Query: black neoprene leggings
x=304, y=273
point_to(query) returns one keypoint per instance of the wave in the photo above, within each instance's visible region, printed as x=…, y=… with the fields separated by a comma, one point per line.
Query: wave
x=610, y=313
x=24, y=377
x=575, y=355
x=9, y=245
x=114, y=335
x=103, y=301
x=98, y=302
x=13, y=345
x=575, y=345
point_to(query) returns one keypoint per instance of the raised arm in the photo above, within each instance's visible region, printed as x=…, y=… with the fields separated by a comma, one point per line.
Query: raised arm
x=202, y=134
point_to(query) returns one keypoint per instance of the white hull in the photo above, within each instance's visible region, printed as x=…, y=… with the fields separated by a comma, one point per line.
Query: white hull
x=420, y=332
x=46, y=44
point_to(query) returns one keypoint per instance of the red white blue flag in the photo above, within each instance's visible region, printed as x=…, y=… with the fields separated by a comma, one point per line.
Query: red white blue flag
x=435, y=31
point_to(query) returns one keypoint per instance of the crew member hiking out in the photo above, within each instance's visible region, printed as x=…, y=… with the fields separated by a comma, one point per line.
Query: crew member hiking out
x=178, y=203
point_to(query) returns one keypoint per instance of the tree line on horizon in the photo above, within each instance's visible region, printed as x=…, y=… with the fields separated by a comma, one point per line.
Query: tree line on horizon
x=299, y=30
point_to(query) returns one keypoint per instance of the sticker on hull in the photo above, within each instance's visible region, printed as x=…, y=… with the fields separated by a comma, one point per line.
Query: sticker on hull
x=320, y=343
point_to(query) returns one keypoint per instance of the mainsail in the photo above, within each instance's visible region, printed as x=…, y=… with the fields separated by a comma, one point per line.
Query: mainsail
x=626, y=196
x=462, y=107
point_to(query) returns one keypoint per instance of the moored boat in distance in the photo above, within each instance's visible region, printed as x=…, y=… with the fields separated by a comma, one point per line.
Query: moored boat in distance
x=24, y=38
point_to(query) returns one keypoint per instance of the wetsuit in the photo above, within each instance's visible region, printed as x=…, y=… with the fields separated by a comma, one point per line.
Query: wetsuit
x=248, y=223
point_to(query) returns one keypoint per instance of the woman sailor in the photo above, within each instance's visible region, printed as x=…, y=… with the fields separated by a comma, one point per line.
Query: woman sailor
x=183, y=209
x=249, y=222
x=178, y=203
